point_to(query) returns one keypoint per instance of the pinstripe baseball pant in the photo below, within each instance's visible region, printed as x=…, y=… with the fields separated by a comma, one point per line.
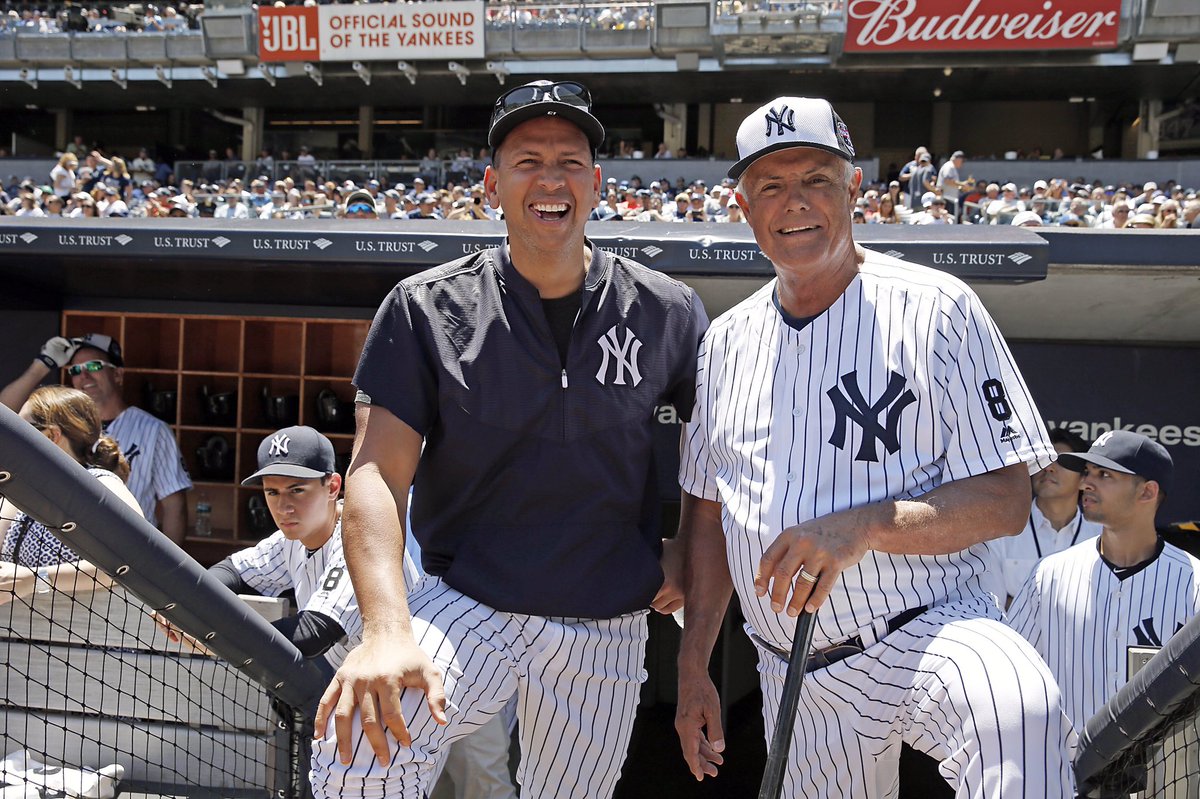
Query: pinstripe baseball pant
x=955, y=683
x=577, y=682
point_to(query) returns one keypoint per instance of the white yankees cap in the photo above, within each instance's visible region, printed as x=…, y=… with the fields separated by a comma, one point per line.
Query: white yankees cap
x=293, y=452
x=791, y=122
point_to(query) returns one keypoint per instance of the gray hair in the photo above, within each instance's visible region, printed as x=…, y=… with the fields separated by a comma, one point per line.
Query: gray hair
x=847, y=176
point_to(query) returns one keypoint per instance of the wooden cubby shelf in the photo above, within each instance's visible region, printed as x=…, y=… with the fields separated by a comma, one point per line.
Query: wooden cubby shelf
x=236, y=379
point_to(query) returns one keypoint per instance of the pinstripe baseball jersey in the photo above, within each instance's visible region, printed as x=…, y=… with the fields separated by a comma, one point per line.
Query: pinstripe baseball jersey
x=1020, y=554
x=155, y=466
x=318, y=577
x=1082, y=616
x=903, y=384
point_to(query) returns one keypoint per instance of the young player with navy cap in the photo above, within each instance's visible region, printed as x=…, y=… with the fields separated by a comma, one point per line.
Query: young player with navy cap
x=299, y=479
x=860, y=430
x=1087, y=607
x=518, y=386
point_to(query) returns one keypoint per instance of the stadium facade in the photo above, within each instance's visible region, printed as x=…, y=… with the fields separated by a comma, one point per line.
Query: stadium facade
x=1110, y=78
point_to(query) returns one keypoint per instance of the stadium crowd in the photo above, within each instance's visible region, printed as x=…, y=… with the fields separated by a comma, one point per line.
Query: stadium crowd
x=85, y=182
x=70, y=17
x=22, y=18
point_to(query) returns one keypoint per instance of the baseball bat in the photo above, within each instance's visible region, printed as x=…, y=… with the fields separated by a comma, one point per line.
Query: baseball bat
x=781, y=741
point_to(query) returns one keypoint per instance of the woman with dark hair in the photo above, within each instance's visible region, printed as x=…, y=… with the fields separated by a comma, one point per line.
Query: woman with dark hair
x=69, y=418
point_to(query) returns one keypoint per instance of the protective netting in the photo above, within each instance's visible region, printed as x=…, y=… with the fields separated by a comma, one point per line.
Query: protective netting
x=1165, y=764
x=93, y=692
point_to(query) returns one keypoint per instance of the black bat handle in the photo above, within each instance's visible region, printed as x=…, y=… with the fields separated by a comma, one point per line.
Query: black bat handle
x=781, y=741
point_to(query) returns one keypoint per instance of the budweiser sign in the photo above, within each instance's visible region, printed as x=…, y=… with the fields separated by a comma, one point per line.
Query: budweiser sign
x=912, y=26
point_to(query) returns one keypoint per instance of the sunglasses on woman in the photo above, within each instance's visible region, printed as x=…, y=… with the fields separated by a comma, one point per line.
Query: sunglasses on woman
x=567, y=91
x=87, y=366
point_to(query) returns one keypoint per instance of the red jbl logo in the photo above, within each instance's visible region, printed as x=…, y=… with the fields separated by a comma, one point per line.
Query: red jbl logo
x=288, y=34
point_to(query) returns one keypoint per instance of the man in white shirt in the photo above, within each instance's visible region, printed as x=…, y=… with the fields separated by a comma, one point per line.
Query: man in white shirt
x=949, y=180
x=935, y=212
x=1055, y=521
x=233, y=208
x=113, y=204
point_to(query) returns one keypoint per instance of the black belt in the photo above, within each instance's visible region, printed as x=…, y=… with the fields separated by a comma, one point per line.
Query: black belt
x=853, y=645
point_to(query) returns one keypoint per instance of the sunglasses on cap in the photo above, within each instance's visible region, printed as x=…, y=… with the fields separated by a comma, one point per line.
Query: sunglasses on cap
x=87, y=366
x=361, y=208
x=566, y=91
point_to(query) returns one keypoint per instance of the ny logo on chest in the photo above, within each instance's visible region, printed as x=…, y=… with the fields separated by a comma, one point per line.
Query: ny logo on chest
x=852, y=406
x=624, y=356
x=1145, y=633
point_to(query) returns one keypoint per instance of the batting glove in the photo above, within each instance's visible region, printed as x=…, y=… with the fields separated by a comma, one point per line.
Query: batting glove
x=58, y=352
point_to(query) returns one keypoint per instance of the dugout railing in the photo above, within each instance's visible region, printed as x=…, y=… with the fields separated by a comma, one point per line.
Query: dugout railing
x=90, y=682
x=1145, y=743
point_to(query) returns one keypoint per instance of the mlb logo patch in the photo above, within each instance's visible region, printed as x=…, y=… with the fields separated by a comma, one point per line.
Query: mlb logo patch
x=843, y=133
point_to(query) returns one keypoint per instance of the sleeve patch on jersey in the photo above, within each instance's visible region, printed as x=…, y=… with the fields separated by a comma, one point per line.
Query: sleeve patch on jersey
x=999, y=407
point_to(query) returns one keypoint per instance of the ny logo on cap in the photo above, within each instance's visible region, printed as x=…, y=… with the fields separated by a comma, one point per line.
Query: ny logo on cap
x=279, y=445
x=1103, y=440
x=784, y=118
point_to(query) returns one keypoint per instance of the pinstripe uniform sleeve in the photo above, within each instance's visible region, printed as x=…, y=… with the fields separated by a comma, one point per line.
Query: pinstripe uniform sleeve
x=990, y=417
x=1023, y=614
x=334, y=596
x=697, y=472
x=264, y=566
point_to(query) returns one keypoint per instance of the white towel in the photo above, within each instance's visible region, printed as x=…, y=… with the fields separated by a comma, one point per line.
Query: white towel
x=22, y=770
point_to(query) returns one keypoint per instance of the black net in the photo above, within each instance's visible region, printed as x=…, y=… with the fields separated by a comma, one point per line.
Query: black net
x=1165, y=764
x=96, y=698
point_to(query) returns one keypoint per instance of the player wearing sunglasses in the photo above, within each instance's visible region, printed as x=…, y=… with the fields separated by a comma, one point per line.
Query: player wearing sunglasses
x=95, y=365
x=520, y=383
x=76, y=369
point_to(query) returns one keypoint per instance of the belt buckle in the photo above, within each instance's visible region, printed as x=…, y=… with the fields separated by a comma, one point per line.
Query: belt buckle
x=823, y=658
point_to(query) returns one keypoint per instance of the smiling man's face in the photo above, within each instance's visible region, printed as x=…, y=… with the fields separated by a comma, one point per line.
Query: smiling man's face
x=799, y=201
x=545, y=179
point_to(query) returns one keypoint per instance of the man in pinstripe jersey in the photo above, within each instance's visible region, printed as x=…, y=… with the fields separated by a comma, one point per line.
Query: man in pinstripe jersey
x=860, y=431
x=95, y=366
x=1084, y=608
x=298, y=477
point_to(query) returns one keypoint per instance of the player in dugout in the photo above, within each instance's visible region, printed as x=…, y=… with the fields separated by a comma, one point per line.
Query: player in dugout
x=95, y=365
x=860, y=430
x=1090, y=608
x=297, y=472
x=301, y=486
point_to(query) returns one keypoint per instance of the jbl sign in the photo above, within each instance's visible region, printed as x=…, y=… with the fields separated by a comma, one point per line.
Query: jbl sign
x=288, y=34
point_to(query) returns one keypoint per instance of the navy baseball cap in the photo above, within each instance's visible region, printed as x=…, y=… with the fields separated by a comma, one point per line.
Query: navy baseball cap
x=293, y=452
x=1127, y=453
x=106, y=344
x=791, y=122
x=567, y=99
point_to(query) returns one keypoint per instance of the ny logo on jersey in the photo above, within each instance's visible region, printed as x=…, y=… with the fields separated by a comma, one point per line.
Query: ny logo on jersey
x=854, y=407
x=279, y=445
x=132, y=453
x=1145, y=633
x=783, y=119
x=624, y=355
